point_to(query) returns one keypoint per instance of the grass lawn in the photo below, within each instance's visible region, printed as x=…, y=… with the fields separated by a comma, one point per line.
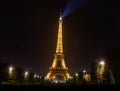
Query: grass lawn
x=17, y=83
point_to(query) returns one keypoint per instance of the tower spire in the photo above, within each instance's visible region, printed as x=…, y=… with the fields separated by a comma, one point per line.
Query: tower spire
x=59, y=48
x=60, y=16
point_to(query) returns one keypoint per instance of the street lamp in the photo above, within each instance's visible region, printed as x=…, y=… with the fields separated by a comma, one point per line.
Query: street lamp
x=84, y=74
x=84, y=71
x=11, y=71
x=102, y=63
x=101, y=69
x=76, y=74
x=76, y=77
x=38, y=76
x=26, y=75
x=35, y=75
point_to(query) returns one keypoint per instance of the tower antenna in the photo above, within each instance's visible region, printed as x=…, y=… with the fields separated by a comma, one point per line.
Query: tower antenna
x=60, y=16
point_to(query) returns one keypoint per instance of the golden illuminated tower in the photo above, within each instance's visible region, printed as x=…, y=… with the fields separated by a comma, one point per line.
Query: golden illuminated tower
x=58, y=70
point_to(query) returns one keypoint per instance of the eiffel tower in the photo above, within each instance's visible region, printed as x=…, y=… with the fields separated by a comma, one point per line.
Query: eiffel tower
x=58, y=70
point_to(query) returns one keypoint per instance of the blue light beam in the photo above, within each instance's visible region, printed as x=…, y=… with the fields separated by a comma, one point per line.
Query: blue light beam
x=72, y=6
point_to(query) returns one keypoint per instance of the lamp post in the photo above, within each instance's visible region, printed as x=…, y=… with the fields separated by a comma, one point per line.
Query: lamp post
x=11, y=72
x=102, y=63
x=26, y=75
x=84, y=76
x=101, y=70
x=102, y=67
x=76, y=77
x=84, y=71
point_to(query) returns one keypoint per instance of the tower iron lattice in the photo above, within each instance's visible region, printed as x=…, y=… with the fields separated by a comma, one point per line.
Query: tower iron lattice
x=58, y=67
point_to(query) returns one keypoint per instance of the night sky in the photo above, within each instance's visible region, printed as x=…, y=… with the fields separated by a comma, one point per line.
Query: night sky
x=28, y=33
